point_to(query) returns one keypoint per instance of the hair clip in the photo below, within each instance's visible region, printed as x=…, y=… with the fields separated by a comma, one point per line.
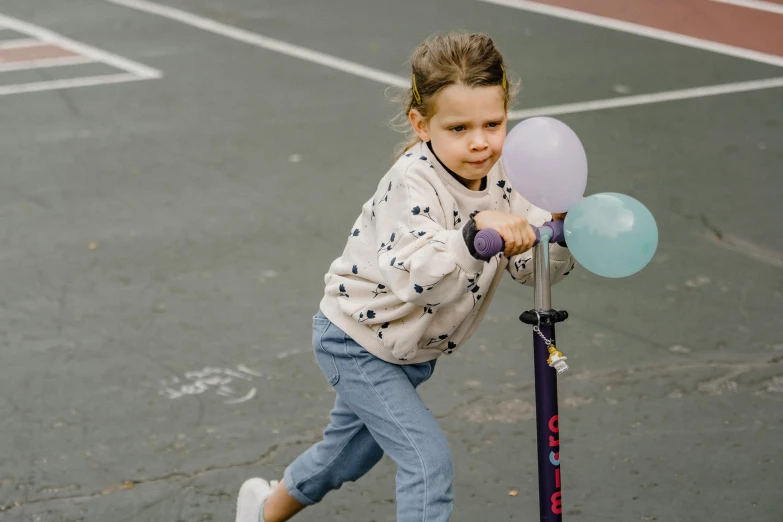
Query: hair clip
x=415, y=90
x=504, y=83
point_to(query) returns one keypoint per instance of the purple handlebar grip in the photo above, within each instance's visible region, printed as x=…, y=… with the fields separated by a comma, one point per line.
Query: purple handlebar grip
x=489, y=243
x=557, y=235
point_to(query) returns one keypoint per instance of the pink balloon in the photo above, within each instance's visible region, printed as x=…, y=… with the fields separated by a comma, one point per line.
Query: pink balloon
x=546, y=163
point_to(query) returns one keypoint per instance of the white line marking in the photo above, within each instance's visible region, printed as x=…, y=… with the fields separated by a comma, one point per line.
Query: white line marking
x=755, y=4
x=264, y=42
x=48, y=62
x=233, y=373
x=80, y=48
x=243, y=368
x=640, y=30
x=69, y=83
x=645, y=99
x=386, y=78
x=18, y=43
x=247, y=397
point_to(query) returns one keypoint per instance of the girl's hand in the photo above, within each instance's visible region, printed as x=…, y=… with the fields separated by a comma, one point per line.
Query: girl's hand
x=516, y=232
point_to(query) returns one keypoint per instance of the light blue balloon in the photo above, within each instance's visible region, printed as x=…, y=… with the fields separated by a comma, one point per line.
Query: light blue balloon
x=610, y=234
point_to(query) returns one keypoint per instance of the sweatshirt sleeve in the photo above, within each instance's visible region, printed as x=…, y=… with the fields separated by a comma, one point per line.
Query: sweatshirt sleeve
x=419, y=257
x=522, y=266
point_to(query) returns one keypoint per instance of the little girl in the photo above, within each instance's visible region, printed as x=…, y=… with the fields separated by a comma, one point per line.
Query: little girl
x=410, y=288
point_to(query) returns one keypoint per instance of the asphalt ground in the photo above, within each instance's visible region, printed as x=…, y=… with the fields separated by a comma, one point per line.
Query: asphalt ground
x=165, y=231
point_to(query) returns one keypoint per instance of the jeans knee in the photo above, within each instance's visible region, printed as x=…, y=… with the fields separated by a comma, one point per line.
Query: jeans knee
x=370, y=457
x=439, y=466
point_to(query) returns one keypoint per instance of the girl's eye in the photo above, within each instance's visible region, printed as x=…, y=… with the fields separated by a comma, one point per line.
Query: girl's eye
x=494, y=124
x=458, y=128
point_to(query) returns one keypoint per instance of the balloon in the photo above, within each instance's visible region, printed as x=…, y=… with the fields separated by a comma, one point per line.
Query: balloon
x=610, y=234
x=546, y=163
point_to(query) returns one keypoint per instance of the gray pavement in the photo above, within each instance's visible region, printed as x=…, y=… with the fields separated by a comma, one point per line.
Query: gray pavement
x=164, y=243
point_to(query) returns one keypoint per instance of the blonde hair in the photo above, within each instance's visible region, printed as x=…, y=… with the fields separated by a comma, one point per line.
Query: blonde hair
x=469, y=59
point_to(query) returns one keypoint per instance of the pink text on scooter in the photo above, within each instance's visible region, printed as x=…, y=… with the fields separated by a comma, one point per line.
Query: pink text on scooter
x=554, y=458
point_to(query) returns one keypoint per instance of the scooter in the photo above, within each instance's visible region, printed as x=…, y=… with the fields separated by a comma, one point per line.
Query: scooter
x=548, y=362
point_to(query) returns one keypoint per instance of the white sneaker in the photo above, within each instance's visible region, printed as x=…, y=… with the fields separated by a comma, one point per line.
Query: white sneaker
x=251, y=497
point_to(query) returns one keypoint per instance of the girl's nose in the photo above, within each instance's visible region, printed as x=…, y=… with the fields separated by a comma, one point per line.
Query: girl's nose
x=479, y=142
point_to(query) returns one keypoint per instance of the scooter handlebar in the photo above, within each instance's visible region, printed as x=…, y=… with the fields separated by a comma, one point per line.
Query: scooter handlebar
x=488, y=242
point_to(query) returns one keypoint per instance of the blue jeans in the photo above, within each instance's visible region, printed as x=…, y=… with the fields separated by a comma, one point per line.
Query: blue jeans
x=377, y=410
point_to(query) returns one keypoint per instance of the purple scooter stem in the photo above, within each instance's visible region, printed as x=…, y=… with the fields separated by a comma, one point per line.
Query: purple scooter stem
x=550, y=501
x=488, y=242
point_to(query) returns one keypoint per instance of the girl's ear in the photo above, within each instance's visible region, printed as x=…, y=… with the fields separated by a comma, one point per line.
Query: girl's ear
x=420, y=126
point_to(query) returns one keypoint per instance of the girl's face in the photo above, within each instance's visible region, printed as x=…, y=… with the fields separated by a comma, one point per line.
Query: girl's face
x=467, y=130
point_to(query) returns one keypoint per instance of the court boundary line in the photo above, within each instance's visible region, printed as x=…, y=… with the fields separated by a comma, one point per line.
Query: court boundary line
x=18, y=43
x=242, y=35
x=647, y=99
x=69, y=83
x=758, y=5
x=62, y=61
x=45, y=35
x=640, y=30
x=271, y=44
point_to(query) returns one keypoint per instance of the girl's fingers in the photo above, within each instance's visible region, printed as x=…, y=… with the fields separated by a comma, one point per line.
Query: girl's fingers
x=531, y=236
x=522, y=238
x=518, y=237
x=512, y=240
x=522, y=242
x=509, y=241
x=519, y=234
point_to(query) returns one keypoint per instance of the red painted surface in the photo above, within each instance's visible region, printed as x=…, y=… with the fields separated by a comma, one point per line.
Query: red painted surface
x=728, y=24
x=33, y=53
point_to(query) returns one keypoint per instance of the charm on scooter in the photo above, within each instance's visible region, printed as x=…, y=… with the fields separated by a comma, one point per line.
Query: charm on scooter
x=556, y=359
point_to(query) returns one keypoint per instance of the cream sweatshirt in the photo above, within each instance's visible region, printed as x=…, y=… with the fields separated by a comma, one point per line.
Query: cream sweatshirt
x=406, y=287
